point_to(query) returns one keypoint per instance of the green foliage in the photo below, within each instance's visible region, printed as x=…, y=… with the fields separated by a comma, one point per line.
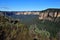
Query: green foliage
x=52, y=27
x=45, y=30
x=36, y=30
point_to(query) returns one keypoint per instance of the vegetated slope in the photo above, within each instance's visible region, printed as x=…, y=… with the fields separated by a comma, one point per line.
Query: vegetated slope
x=14, y=31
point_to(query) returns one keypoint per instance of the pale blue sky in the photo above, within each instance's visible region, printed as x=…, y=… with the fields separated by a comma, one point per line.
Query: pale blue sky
x=28, y=5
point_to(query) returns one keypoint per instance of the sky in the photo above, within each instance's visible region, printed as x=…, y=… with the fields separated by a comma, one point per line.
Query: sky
x=28, y=5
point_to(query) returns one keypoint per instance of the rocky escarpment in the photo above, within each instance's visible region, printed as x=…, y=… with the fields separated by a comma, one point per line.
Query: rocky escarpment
x=51, y=14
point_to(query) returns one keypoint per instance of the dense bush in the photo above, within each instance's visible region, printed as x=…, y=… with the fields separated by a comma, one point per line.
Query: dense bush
x=19, y=31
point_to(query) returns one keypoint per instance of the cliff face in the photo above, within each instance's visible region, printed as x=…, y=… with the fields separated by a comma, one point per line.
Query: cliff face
x=48, y=14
